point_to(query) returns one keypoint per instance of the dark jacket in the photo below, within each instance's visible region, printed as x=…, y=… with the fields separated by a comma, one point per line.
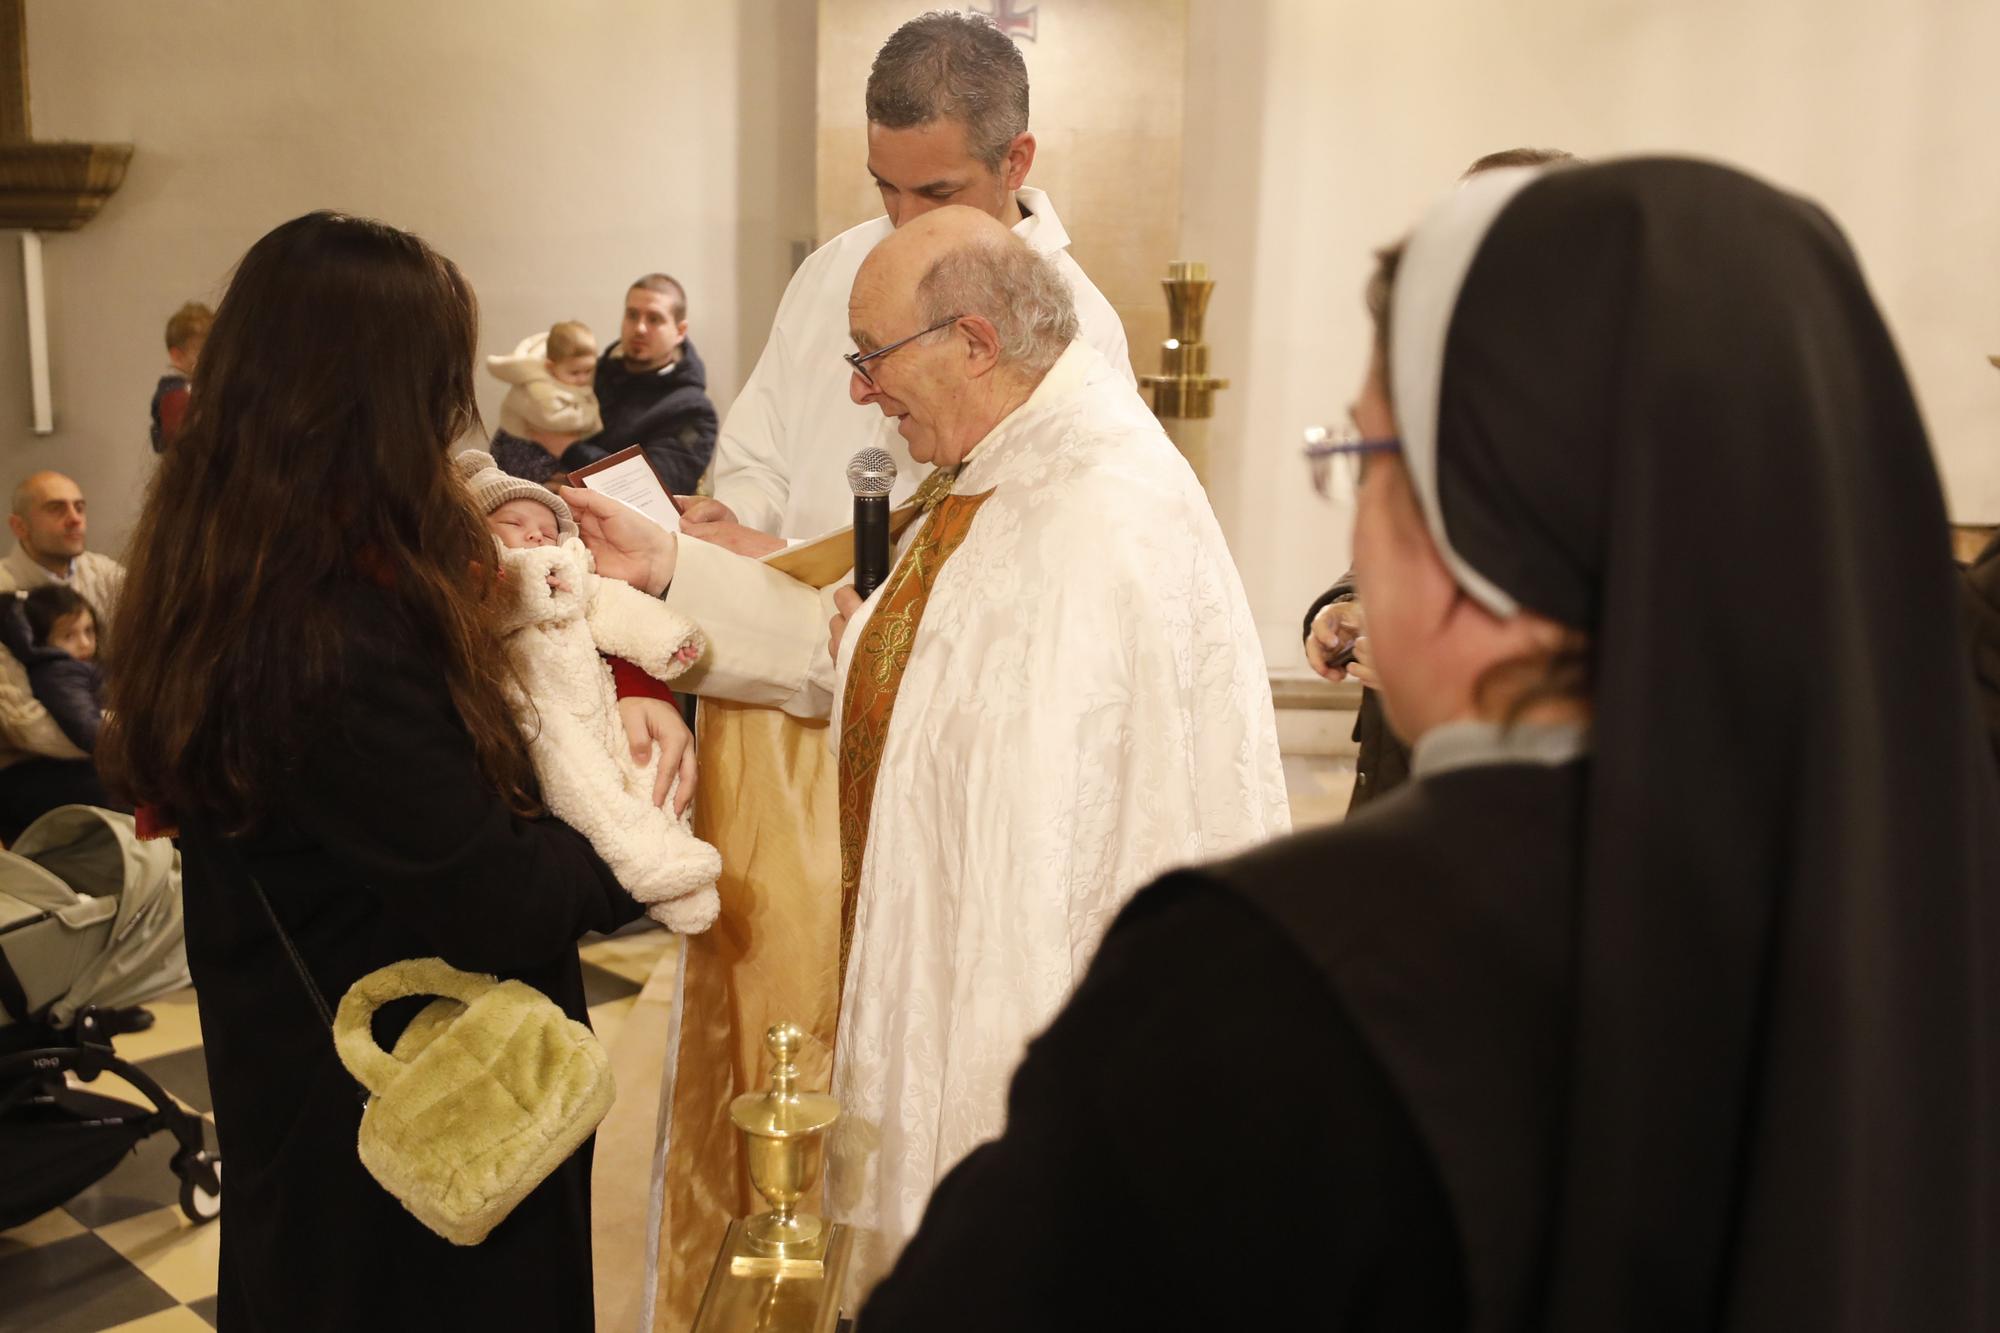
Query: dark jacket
x=71, y=691
x=1383, y=763
x=522, y=458
x=666, y=412
x=389, y=844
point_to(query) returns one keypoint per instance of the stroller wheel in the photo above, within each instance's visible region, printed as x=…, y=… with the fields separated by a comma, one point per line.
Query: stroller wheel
x=201, y=1185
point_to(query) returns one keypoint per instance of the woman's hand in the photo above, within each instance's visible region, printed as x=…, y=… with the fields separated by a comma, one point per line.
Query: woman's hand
x=655, y=721
x=626, y=544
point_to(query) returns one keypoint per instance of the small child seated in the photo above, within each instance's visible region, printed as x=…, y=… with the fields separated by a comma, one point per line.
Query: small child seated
x=53, y=631
x=562, y=619
x=551, y=405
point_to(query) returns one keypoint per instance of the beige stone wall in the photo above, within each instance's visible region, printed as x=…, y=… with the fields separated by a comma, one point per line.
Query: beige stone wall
x=554, y=151
x=1107, y=79
x=1323, y=127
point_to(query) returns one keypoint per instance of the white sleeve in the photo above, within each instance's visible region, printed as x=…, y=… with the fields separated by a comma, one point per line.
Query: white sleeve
x=766, y=631
x=1097, y=319
x=752, y=466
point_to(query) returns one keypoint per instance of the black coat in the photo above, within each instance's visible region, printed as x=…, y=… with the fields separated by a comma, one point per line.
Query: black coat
x=390, y=845
x=1318, y=1086
x=666, y=412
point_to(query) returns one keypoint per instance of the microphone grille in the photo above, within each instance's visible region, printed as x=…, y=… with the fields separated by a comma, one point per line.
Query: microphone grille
x=871, y=472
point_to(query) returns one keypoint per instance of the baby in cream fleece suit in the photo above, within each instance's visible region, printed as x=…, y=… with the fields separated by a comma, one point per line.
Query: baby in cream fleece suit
x=562, y=617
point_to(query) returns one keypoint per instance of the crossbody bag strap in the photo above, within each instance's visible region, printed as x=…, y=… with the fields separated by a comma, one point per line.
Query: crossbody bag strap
x=292, y=952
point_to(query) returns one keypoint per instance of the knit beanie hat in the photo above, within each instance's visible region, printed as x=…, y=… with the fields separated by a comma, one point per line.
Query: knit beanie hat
x=492, y=488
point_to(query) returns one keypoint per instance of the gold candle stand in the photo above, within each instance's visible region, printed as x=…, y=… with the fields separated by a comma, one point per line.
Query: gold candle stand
x=779, y=1271
x=1184, y=389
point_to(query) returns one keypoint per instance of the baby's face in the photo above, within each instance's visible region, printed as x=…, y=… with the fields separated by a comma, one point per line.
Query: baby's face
x=522, y=523
x=576, y=370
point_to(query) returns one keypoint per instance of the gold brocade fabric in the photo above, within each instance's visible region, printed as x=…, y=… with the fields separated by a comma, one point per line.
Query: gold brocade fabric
x=768, y=805
x=874, y=676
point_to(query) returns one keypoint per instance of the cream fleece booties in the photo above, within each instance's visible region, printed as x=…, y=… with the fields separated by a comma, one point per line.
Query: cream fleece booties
x=568, y=709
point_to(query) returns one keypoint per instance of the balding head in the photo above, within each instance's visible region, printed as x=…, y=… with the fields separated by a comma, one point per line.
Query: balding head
x=47, y=519
x=985, y=317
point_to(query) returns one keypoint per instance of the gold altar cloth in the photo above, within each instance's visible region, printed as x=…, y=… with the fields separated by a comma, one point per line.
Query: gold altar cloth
x=768, y=803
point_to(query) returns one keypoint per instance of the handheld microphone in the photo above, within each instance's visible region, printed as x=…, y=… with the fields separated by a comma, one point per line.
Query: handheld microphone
x=871, y=475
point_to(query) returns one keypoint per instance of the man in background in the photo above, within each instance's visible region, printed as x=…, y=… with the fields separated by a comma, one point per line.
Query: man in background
x=652, y=390
x=40, y=768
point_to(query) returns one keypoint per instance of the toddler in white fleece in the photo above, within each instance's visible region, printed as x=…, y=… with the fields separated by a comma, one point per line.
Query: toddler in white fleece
x=551, y=403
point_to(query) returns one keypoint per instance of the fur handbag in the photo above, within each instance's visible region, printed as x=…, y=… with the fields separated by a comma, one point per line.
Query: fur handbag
x=489, y=1089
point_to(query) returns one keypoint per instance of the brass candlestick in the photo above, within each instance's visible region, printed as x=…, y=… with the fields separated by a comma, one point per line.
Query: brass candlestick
x=1184, y=389
x=780, y=1271
x=782, y=1130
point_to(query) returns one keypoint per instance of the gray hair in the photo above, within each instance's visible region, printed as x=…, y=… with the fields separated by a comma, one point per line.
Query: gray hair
x=1021, y=293
x=957, y=66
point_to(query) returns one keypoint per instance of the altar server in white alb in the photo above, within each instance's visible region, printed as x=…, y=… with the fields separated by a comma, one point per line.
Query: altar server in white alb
x=947, y=124
x=1057, y=693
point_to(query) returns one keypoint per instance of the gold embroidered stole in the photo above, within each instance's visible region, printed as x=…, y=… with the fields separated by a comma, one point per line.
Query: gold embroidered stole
x=876, y=674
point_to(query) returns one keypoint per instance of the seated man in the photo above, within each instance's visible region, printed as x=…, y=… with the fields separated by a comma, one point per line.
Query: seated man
x=652, y=390
x=1057, y=691
x=40, y=768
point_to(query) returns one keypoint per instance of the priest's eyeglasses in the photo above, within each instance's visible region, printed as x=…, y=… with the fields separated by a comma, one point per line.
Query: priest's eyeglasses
x=858, y=361
x=1334, y=454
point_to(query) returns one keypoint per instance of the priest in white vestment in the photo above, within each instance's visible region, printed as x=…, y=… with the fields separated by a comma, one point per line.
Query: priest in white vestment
x=1057, y=694
x=780, y=459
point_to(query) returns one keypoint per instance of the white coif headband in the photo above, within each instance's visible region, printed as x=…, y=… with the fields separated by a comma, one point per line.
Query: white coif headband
x=1435, y=261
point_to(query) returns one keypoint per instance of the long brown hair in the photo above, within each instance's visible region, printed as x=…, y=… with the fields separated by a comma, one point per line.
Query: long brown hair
x=313, y=462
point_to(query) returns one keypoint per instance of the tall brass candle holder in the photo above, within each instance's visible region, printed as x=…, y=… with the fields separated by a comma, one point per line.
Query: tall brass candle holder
x=779, y=1271
x=1184, y=389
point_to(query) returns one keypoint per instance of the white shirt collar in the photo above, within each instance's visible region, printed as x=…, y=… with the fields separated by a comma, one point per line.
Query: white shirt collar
x=1041, y=229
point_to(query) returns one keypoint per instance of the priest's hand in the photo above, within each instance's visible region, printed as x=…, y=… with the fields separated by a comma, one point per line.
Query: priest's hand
x=626, y=544
x=705, y=509
x=731, y=536
x=1330, y=646
x=848, y=601
x=650, y=722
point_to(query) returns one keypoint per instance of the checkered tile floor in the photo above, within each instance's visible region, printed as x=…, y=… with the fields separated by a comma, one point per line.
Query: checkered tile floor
x=120, y=1256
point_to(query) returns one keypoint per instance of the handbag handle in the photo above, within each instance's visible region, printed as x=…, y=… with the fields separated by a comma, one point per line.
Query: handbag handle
x=353, y=1033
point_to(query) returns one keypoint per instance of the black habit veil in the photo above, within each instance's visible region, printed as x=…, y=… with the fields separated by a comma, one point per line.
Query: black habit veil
x=1653, y=400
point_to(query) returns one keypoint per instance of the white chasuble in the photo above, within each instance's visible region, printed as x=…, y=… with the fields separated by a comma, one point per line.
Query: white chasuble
x=1084, y=706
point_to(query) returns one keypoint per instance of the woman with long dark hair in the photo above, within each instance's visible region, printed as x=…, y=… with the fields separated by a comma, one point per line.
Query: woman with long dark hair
x=309, y=678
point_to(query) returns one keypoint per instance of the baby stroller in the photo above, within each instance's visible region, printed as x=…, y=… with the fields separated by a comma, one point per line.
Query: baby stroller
x=90, y=928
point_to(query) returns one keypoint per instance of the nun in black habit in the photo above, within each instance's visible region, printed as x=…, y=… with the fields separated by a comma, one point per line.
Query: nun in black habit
x=1663, y=998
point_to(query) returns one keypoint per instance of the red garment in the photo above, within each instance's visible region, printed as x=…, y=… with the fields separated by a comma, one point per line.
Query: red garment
x=173, y=407
x=632, y=683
